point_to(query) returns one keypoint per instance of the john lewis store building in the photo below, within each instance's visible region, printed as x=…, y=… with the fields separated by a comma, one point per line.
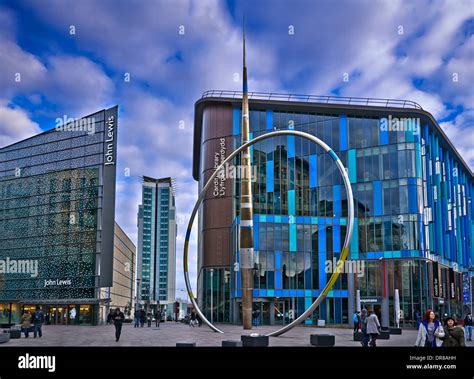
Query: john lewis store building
x=57, y=207
x=413, y=209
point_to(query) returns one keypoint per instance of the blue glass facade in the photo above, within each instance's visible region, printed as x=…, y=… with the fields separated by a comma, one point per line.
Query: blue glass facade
x=413, y=214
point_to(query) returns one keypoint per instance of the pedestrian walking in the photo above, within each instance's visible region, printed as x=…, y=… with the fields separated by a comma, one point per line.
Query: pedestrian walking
x=148, y=319
x=118, y=318
x=453, y=335
x=356, y=320
x=26, y=323
x=157, y=318
x=38, y=321
x=365, y=336
x=136, y=318
x=373, y=328
x=110, y=317
x=193, y=322
x=430, y=332
x=417, y=319
x=468, y=326
x=142, y=318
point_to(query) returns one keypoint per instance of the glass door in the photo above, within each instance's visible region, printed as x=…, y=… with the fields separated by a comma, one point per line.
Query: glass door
x=266, y=313
x=279, y=310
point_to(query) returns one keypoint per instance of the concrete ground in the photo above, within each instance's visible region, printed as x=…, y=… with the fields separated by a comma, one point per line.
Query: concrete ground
x=169, y=333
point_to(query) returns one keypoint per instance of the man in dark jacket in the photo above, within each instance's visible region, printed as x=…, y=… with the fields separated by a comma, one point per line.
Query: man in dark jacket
x=136, y=317
x=118, y=321
x=454, y=335
x=142, y=318
x=38, y=321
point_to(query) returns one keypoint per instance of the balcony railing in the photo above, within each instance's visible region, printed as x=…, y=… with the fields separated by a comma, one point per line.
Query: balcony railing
x=367, y=101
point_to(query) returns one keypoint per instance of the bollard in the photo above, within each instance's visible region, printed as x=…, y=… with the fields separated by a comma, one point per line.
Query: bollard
x=186, y=344
x=231, y=343
x=326, y=340
x=254, y=340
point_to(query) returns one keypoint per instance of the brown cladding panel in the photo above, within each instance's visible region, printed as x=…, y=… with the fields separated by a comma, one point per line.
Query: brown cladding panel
x=218, y=242
x=217, y=206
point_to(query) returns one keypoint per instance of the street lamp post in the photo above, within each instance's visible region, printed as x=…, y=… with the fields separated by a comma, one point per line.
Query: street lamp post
x=385, y=304
x=148, y=298
x=138, y=293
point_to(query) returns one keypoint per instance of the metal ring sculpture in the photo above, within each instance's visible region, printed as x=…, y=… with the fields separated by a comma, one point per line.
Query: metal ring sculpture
x=345, y=249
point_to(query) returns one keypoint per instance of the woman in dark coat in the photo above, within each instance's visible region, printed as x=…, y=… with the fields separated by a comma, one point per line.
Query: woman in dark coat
x=453, y=335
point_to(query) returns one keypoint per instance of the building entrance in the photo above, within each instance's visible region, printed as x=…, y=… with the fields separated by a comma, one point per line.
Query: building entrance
x=71, y=314
x=284, y=312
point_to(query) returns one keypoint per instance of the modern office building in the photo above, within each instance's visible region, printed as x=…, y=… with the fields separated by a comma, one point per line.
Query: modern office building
x=157, y=229
x=122, y=293
x=57, y=211
x=412, y=190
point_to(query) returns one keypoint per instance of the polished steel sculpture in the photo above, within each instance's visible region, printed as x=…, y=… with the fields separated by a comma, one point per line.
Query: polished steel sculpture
x=246, y=209
x=345, y=249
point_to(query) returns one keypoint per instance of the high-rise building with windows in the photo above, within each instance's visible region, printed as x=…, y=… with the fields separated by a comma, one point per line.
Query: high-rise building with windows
x=413, y=195
x=57, y=212
x=156, y=267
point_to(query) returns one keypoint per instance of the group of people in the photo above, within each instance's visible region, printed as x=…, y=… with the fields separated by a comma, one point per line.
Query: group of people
x=431, y=332
x=368, y=323
x=117, y=317
x=33, y=321
x=140, y=317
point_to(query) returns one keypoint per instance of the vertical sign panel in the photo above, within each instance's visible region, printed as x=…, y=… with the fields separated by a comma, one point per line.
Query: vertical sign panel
x=452, y=284
x=435, y=279
x=106, y=255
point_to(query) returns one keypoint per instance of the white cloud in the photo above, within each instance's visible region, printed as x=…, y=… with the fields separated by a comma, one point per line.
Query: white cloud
x=20, y=71
x=78, y=85
x=15, y=125
x=461, y=133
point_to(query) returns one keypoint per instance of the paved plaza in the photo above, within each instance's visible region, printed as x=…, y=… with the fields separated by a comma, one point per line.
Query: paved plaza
x=169, y=333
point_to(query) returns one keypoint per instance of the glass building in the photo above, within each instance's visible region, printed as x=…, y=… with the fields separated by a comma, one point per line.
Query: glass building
x=57, y=208
x=157, y=230
x=413, y=210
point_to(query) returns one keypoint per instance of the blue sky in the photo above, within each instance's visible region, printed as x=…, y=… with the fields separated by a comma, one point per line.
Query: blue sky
x=390, y=49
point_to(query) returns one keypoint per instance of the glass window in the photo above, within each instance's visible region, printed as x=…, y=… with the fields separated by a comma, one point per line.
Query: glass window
x=285, y=237
x=262, y=235
x=403, y=199
x=300, y=270
x=292, y=258
x=270, y=237
x=402, y=164
x=374, y=171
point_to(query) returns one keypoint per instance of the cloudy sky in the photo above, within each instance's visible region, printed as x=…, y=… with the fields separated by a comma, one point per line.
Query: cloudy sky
x=75, y=57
